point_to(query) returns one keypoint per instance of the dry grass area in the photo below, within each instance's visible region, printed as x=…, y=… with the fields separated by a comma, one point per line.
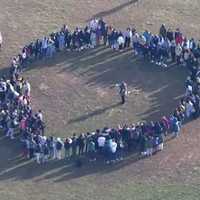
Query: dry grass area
x=75, y=92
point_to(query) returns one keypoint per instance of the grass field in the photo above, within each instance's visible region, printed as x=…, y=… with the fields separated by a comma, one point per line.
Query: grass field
x=75, y=91
x=84, y=99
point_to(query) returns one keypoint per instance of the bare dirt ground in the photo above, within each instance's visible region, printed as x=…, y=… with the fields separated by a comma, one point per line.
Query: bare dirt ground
x=75, y=92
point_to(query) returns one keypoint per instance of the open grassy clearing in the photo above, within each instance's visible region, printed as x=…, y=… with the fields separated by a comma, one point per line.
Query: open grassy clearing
x=172, y=174
x=84, y=98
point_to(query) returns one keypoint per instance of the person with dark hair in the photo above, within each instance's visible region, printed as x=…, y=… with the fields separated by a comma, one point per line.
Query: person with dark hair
x=163, y=31
x=127, y=36
x=67, y=146
x=170, y=35
x=91, y=150
x=45, y=152
x=123, y=91
x=37, y=49
x=50, y=143
x=81, y=144
x=32, y=146
x=74, y=145
x=38, y=152
x=120, y=41
x=104, y=30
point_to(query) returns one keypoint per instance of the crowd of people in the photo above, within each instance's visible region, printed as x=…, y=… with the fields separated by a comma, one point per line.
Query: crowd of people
x=146, y=138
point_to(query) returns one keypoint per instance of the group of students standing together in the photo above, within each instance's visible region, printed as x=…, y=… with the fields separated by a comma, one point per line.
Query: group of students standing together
x=112, y=143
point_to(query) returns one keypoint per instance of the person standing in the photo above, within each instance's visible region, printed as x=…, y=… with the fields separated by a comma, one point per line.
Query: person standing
x=123, y=92
x=74, y=145
x=59, y=148
x=91, y=150
x=38, y=152
x=11, y=126
x=67, y=146
x=81, y=144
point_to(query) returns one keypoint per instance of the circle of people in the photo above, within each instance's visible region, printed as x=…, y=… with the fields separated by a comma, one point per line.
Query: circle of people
x=112, y=144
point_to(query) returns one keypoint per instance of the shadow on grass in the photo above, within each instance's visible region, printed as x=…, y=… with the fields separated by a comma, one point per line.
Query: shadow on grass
x=93, y=114
x=13, y=167
x=113, y=10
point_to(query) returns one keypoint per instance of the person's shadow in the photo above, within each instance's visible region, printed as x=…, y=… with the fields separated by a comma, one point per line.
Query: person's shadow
x=113, y=10
x=94, y=113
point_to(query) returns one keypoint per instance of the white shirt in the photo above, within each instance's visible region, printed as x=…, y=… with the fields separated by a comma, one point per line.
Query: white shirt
x=40, y=116
x=101, y=141
x=24, y=55
x=120, y=40
x=113, y=147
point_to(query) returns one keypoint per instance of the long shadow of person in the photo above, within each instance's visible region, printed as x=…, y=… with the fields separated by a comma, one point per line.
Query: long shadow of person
x=94, y=113
x=113, y=10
